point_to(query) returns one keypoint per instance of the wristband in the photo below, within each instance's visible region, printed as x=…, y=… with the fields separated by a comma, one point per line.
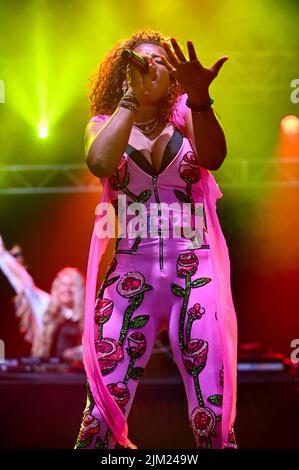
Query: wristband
x=127, y=104
x=130, y=97
x=199, y=107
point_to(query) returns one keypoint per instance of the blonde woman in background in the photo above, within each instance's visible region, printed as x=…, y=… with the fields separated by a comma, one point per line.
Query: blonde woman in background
x=51, y=323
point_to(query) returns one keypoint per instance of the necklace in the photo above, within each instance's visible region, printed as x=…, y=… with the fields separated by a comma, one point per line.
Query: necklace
x=147, y=127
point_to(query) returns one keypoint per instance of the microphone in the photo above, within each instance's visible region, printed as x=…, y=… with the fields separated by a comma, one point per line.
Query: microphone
x=135, y=59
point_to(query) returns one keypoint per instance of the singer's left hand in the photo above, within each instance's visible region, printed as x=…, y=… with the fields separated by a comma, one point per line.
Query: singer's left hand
x=193, y=77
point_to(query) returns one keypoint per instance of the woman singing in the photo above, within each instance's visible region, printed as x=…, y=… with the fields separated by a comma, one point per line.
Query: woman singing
x=152, y=139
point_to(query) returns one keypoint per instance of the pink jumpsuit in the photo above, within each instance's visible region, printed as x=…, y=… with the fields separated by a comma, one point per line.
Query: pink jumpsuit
x=155, y=282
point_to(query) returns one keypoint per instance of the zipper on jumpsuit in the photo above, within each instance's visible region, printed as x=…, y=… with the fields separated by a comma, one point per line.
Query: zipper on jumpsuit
x=155, y=178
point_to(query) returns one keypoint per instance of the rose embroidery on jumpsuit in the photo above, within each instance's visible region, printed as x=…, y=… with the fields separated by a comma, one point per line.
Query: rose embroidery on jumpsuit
x=103, y=311
x=90, y=425
x=203, y=422
x=194, y=313
x=131, y=286
x=120, y=393
x=189, y=170
x=108, y=281
x=119, y=181
x=187, y=264
x=136, y=349
x=109, y=353
x=195, y=351
x=195, y=356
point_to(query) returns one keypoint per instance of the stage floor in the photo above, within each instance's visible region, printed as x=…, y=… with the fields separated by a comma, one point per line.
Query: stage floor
x=43, y=410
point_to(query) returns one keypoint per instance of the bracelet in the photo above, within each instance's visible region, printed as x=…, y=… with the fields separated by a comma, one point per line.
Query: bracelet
x=130, y=97
x=129, y=101
x=127, y=104
x=199, y=107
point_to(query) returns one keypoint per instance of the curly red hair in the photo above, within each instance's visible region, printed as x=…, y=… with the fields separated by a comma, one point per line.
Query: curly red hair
x=106, y=84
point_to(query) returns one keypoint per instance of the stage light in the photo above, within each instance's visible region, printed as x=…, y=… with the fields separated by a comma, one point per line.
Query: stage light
x=290, y=125
x=43, y=132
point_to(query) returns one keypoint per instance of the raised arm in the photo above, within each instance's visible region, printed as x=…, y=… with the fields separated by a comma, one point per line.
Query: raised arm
x=15, y=273
x=22, y=283
x=207, y=136
x=105, y=143
x=203, y=128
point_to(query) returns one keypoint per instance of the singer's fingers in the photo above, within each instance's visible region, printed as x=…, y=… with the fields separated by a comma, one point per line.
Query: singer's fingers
x=152, y=68
x=178, y=50
x=132, y=71
x=128, y=73
x=148, y=58
x=191, y=50
x=131, y=74
x=172, y=58
x=166, y=62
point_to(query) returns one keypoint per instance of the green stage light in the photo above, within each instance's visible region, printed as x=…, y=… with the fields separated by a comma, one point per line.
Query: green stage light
x=43, y=131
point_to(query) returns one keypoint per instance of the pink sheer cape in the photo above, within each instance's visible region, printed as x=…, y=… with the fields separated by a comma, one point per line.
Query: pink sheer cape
x=225, y=308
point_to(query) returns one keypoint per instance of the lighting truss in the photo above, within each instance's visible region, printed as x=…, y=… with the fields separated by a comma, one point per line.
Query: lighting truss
x=76, y=178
